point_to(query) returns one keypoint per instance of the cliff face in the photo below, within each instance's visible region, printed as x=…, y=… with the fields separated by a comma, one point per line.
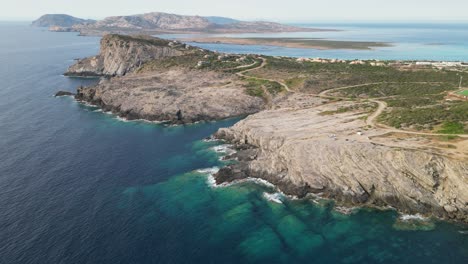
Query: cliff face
x=304, y=152
x=120, y=55
x=59, y=20
x=180, y=94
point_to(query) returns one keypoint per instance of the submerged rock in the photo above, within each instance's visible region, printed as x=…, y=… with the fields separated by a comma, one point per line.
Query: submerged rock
x=64, y=93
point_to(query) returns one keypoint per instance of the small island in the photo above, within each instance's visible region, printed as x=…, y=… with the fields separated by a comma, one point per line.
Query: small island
x=367, y=133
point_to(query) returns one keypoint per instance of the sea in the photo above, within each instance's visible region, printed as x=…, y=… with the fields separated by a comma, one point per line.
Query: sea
x=81, y=186
x=407, y=41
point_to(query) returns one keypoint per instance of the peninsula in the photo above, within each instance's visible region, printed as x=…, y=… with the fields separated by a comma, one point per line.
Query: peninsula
x=302, y=43
x=370, y=133
x=158, y=23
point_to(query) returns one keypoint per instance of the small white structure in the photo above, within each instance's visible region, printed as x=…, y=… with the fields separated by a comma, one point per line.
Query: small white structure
x=357, y=62
x=202, y=64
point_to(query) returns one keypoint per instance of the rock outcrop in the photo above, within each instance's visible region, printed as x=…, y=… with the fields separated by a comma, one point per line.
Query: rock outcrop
x=64, y=93
x=120, y=55
x=176, y=96
x=180, y=94
x=303, y=151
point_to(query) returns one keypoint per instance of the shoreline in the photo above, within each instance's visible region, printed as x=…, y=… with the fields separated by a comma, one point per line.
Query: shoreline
x=298, y=43
x=234, y=153
x=240, y=171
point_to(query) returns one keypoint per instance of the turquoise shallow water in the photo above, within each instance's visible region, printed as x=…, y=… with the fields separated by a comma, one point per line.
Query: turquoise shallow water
x=409, y=41
x=80, y=186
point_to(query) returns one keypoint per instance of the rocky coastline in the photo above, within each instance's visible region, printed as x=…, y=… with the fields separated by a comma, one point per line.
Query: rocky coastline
x=352, y=172
x=302, y=143
x=175, y=95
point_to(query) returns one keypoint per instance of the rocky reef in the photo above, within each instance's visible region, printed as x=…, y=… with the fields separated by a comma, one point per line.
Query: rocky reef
x=302, y=152
x=120, y=55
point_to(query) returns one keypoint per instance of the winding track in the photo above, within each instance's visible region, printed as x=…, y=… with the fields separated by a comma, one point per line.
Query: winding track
x=264, y=63
x=372, y=119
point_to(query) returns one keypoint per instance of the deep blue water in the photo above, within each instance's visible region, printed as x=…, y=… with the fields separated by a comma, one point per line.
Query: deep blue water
x=410, y=41
x=80, y=186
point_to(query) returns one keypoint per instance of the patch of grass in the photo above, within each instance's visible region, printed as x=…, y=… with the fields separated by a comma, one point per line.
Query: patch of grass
x=358, y=107
x=452, y=128
x=426, y=116
x=448, y=138
x=254, y=87
x=413, y=90
x=295, y=83
x=414, y=101
x=464, y=93
x=255, y=91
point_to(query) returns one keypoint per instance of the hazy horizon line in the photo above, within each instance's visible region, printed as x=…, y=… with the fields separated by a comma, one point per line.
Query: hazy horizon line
x=295, y=21
x=298, y=19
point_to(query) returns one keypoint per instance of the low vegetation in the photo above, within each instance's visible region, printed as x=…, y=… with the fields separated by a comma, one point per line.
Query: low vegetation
x=452, y=128
x=361, y=108
x=256, y=87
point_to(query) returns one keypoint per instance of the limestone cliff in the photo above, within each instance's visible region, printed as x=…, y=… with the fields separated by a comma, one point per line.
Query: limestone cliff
x=120, y=55
x=304, y=152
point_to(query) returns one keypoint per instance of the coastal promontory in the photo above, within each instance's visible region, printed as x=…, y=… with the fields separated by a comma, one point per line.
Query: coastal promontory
x=166, y=81
x=366, y=133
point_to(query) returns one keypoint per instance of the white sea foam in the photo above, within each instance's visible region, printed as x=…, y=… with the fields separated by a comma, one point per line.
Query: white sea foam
x=210, y=172
x=274, y=197
x=226, y=148
x=408, y=217
x=210, y=139
x=345, y=210
x=123, y=119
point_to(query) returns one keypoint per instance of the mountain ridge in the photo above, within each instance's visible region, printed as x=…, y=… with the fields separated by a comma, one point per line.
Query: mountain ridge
x=59, y=20
x=159, y=22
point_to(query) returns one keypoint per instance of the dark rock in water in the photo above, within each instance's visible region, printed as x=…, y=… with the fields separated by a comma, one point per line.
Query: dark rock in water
x=64, y=93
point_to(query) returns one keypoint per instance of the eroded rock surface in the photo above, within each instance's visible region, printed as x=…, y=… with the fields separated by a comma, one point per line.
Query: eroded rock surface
x=176, y=96
x=304, y=151
x=120, y=55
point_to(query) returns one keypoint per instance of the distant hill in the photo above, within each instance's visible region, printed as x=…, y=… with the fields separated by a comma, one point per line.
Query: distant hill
x=221, y=20
x=59, y=20
x=157, y=22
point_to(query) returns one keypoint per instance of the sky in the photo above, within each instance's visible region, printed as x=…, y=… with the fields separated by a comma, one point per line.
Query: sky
x=275, y=10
